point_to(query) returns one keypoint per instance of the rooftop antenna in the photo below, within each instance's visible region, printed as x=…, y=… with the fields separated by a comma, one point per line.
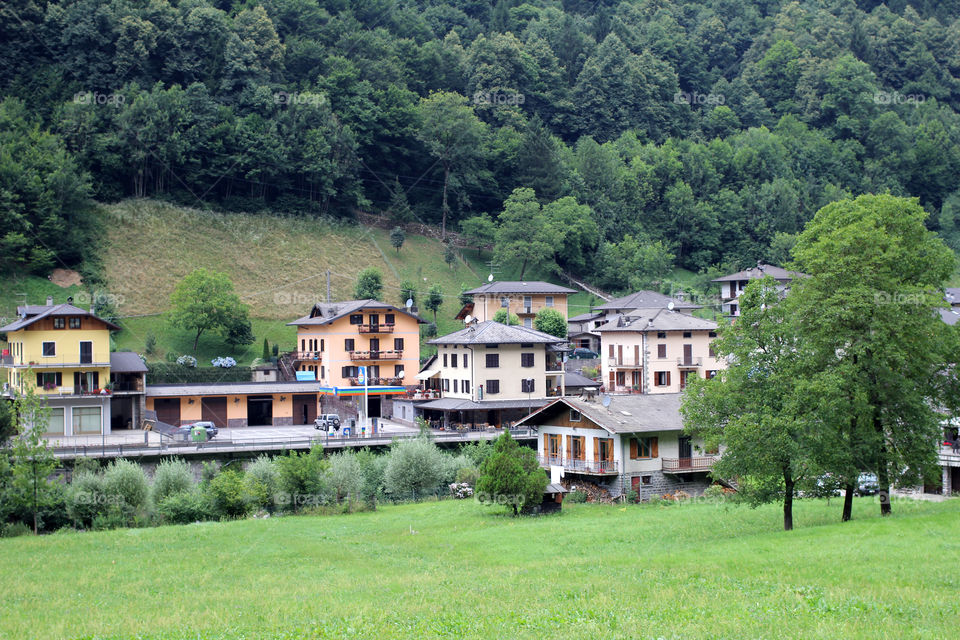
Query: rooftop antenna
x=670, y=305
x=490, y=278
x=409, y=303
x=605, y=400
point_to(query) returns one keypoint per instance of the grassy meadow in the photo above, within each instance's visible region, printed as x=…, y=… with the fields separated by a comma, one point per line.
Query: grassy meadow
x=458, y=569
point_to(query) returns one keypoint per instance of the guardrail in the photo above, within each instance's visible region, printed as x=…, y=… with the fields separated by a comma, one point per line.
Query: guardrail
x=170, y=447
x=596, y=467
x=701, y=463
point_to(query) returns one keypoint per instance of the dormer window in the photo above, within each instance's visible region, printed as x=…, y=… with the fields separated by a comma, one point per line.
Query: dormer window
x=59, y=323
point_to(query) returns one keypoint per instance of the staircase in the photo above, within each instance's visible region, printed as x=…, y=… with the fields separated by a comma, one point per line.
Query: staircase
x=606, y=297
x=285, y=364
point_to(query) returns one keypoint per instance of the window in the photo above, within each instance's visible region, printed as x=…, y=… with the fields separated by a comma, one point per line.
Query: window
x=55, y=427
x=526, y=360
x=49, y=349
x=322, y=348
x=86, y=420
x=528, y=323
x=74, y=323
x=712, y=334
x=356, y=318
x=350, y=372
x=465, y=386
x=446, y=384
x=453, y=360
x=303, y=344
x=398, y=371
x=398, y=344
x=504, y=301
x=661, y=335
x=526, y=345
x=59, y=323
x=455, y=381
x=711, y=374
x=527, y=385
x=661, y=351
x=493, y=386
x=492, y=346
x=661, y=379
x=575, y=415
x=646, y=479
x=641, y=448
x=445, y=363
x=553, y=445
x=464, y=361
x=548, y=301
x=50, y=379
x=527, y=301
x=390, y=318
x=493, y=360
x=349, y=344
x=710, y=351
x=322, y=374
x=686, y=334
x=575, y=448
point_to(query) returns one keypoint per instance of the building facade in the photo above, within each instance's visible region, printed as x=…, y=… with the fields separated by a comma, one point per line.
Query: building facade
x=525, y=299
x=732, y=286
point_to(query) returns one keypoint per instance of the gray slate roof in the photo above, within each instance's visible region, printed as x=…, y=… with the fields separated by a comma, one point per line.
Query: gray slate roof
x=572, y=379
x=456, y=404
x=645, y=299
x=327, y=312
x=641, y=320
x=952, y=294
x=491, y=332
x=950, y=316
x=626, y=414
x=516, y=286
x=760, y=271
x=126, y=362
x=33, y=312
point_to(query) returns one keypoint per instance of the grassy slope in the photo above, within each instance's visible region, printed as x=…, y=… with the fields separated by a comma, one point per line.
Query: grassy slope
x=277, y=265
x=456, y=569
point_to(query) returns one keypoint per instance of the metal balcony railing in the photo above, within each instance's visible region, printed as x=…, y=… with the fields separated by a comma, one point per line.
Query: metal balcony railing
x=592, y=467
x=689, y=362
x=697, y=463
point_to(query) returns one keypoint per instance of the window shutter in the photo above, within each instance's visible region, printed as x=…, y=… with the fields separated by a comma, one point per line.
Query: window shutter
x=668, y=378
x=610, y=350
x=569, y=446
x=654, y=449
x=596, y=449
x=546, y=446
x=59, y=379
x=39, y=380
x=634, y=454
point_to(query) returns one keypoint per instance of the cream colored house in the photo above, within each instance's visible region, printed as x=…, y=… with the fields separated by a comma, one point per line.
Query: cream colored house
x=656, y=351
x=631, y=442
x=525, y=299
x=731, y=286
x=490, y=373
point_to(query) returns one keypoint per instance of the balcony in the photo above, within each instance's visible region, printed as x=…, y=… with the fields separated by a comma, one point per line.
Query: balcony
x=373, y=382
x=689, y=363
x=391, y=354
x=308, y=355
x=586, y=467
x=688, y=465
x=375, y=328
x=74, y=362
x=631, y=363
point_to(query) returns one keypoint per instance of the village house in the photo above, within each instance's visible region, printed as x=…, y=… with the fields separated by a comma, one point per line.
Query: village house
x=622, y=443
x=732, y=286
x=582, y=328
x=338, y=341
x=235, y=404
x=489, y=374
x=62, y=353
x=525, y=299
x=656, y=351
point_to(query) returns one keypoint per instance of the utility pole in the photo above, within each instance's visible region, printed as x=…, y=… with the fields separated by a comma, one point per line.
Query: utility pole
x=328, y=285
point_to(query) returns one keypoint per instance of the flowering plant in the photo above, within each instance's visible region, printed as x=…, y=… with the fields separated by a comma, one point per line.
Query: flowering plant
x=225, y=363
x=461, y=490
x=187, y=361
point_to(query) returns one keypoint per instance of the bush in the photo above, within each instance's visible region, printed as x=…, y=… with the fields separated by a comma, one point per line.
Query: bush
x=345, y=476
x=150, y=344
x=373, y=468
x=228, y=496
x=91, y=465
x=14, y=529
x=301, y=477
x=461, y=490
x=172, y=476
x=715, y=493
x=415, y=467
x=209, y=470
x=86, y=498
x=126, y=481
x=468, y=475
x=187, y=361
x=261, y=483
x=632, y=496
x=577, y=497
x=428, y=330
x=224, y=363
x=185, y=507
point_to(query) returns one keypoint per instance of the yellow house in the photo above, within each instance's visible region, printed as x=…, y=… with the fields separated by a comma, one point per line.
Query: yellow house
x=62, y=352
x=337, y=341
x=525, y=299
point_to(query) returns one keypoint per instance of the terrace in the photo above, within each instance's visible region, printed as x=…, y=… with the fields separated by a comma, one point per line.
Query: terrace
x=688, y=465
x=585, y=467
x=390, y=354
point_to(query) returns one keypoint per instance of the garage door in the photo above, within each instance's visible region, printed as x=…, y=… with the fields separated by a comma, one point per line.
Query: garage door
x=304, y=409
x=168, y=410
x=215, y=410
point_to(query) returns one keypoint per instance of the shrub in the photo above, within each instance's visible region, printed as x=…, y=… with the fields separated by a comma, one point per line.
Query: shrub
x=345, y=476
x=172, y=476
x=187, y=361
x=224, y=363
x=477, y=451
x=91, y=465
x=228, y=496
x=209, y=470
x=301, y=477
x=428, y=330
x=373, y=468
x=126, y=481
x=414, y=468
x=461, y=490
x=184, y=507
x=512, y=473
x=14, y=529
x=577, y=496
x=86, y=498
x=261, y=483
x=150, y=344
x=468, y=475
x=632, y=496
x=715, y=493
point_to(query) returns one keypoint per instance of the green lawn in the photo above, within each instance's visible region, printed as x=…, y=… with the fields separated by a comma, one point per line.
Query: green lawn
x=457, y=569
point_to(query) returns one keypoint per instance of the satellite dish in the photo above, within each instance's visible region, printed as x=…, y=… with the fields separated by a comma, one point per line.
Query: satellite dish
x=490, y=278
x=670, y=305
x=468, y=319
x=409, y=303
x=605, y=400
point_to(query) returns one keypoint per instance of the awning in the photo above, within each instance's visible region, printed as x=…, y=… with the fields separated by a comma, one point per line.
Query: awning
x=426, y=374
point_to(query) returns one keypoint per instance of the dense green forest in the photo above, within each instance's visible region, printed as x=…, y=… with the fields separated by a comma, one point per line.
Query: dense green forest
x=689, y=134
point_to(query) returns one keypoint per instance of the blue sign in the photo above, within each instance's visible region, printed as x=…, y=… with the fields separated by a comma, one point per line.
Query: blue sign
x=362, y=375
x=306, y=376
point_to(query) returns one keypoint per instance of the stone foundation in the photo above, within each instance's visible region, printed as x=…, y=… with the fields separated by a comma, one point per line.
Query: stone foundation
x=283, y=421
x=661, y=483
x=236, y=423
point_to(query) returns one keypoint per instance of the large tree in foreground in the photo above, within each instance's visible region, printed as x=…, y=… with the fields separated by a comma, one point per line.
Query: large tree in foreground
x=751, y=408
x=875, y=342
x=205, y=301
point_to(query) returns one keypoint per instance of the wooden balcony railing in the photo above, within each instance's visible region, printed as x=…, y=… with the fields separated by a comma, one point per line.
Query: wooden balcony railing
x=591, y=467
x=375, y=328
x=679, y=465
x=391, y=354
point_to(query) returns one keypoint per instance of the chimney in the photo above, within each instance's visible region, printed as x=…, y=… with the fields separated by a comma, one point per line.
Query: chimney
x=49, y=301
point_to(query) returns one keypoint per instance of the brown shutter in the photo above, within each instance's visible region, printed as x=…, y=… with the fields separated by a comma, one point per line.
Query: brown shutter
x=596, y=449
x=654, y=449
x=569, y=445
x=668, y=378
x=610, y=350
x=546, y=445
x=634, y=454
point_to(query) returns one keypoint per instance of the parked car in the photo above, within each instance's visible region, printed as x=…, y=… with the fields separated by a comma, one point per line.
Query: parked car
x=867, y=484
x=184, y=432
x=327, y=422
x=584, y=353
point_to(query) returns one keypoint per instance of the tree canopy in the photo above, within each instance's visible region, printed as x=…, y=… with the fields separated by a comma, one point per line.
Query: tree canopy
x=205, y=301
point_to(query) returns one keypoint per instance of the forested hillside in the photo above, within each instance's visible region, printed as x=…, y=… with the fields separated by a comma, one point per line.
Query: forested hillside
x=708, y=132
